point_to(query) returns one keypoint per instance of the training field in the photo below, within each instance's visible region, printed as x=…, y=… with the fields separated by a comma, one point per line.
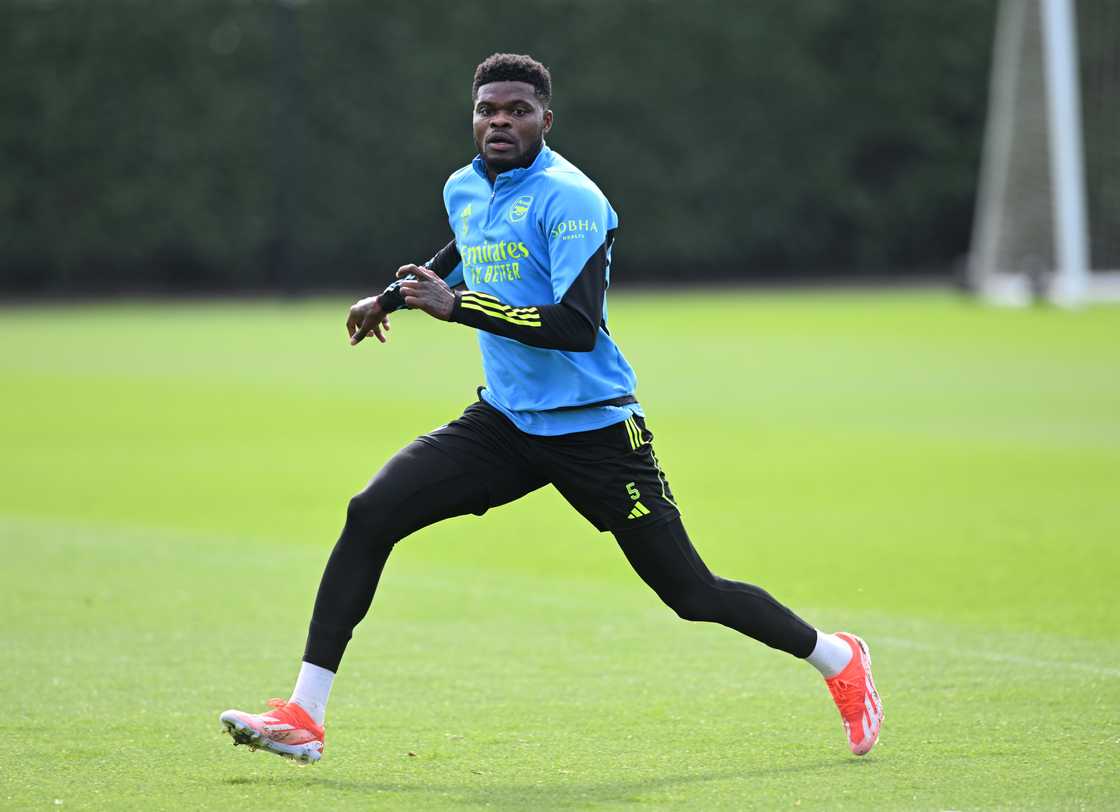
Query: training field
x=942, y=478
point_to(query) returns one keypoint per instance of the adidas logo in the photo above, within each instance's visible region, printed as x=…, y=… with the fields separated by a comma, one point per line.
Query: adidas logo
x=639, y=511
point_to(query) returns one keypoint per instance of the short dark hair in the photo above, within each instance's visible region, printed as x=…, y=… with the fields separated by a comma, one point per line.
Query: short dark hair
x=514, y=68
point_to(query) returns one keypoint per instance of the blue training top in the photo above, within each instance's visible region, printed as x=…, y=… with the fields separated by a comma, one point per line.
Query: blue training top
x=534, y=251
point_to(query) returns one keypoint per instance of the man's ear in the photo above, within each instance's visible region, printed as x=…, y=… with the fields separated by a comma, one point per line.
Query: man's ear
x=547, y=122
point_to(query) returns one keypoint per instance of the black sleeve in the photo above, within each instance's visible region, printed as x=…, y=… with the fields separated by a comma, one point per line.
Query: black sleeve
x=445, y=260
x=572, y=324
x=442, y=263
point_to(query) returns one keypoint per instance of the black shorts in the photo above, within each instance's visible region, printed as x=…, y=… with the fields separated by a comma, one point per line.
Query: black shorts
x=610, y=475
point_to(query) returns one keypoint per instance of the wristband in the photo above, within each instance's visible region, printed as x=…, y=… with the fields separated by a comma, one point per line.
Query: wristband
x=391, y=298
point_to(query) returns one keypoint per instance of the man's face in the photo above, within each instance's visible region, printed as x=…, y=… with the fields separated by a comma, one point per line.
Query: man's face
x=509, y=124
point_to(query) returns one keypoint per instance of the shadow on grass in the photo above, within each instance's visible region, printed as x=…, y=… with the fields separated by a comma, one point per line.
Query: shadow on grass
x=551, y=794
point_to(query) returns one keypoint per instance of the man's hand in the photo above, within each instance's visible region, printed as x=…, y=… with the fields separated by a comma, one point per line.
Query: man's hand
x=367, y=318
x=426, y=292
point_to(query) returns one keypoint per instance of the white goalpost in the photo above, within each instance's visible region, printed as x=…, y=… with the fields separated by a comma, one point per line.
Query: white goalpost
x=1047, y=219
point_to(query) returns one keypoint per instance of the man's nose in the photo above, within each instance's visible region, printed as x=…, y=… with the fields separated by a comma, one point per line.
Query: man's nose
x=500, y=120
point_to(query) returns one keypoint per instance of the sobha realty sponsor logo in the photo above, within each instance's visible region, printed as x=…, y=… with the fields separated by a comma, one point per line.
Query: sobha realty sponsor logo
x=573, y=229
x=520, y=208
x=493, y=261
x=465, y=216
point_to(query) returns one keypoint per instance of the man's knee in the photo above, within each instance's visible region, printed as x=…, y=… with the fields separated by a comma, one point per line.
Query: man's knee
x=369, y=514
x=358, y=512
x=695, y=602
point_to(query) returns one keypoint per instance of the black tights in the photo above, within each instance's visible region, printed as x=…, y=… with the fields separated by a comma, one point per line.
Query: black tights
x=666, y=560
x=411, y=493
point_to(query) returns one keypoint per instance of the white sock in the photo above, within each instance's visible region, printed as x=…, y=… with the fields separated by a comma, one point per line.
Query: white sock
x=313, y=689
x=830, y=654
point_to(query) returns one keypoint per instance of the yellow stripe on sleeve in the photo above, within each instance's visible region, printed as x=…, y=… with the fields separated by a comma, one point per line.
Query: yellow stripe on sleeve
x=479, y=294
x=521, y=321
x=516, y=318
x=493, y=307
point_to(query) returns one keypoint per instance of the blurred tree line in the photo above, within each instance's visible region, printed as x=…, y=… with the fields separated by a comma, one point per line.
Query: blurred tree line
x=204, y=145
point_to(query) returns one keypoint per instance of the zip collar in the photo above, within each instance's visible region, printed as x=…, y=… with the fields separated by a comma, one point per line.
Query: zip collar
x=513, y=176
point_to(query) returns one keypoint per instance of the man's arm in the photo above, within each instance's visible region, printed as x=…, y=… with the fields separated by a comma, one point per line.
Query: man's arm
x=370, y=316
x=446, y=263
x=578, y=270
x=571, y=324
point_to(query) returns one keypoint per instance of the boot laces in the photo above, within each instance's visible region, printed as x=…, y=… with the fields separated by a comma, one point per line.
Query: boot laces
x=848, y=695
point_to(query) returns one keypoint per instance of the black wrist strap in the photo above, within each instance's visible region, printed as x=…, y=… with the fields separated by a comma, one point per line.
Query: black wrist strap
x=391, y=298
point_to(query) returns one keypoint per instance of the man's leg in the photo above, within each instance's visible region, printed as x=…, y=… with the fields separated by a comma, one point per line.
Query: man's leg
x=666, y=560
x=613, y=478
x=468, y=466
x=663, y=556
x=419, y=486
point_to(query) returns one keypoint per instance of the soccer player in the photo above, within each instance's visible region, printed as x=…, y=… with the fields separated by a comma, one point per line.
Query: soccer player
x=528, y=268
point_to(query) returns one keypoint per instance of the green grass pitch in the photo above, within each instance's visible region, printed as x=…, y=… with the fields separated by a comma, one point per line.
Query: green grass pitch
x=942, y=478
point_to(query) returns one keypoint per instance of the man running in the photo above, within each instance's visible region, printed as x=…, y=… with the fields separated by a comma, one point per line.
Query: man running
x=528, y=268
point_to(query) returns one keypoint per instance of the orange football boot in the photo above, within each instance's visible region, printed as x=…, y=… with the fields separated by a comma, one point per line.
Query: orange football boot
x=853, y=691
x=287, y=731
